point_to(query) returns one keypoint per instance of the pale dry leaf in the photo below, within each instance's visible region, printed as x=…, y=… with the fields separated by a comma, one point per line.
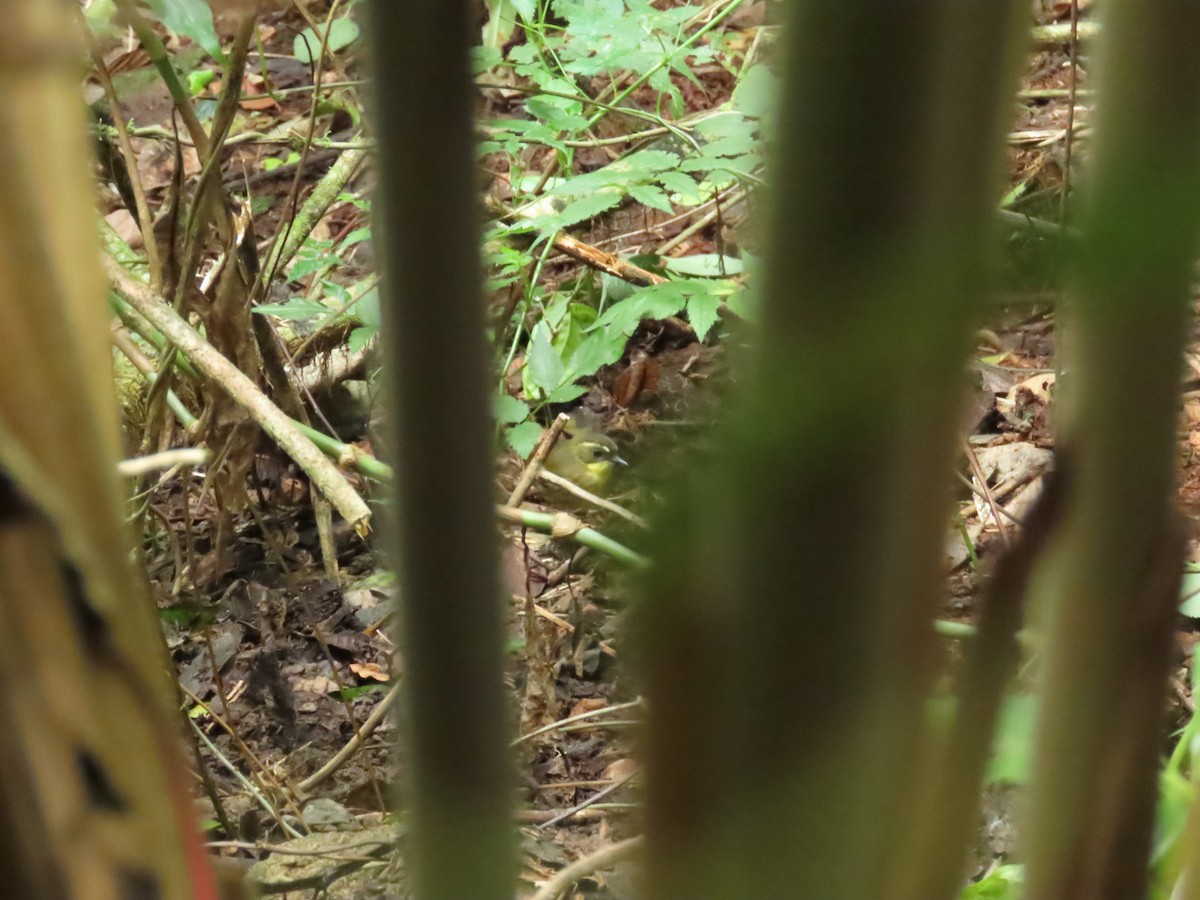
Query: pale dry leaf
x=370, y=671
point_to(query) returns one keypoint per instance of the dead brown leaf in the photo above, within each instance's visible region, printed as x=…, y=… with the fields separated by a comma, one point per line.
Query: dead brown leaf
x=370, y=671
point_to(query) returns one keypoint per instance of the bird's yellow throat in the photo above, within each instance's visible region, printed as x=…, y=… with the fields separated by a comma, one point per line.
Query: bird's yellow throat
x=584, y=456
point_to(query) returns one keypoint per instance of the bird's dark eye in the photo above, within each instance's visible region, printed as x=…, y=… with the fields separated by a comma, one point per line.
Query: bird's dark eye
x=597, y=452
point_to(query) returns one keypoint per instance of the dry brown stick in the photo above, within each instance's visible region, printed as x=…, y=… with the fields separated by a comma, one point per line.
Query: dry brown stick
x=290, y=797
x=605, y=647
x=570, y=720
x=588, y=497
x=977, y=471
x=158, y=55
x=145, y=222
x=586, y=865
x=605, y=261
x=605, y=792
x=538, y=816
x=339, y=758
x=537, y=458
x=204, y=356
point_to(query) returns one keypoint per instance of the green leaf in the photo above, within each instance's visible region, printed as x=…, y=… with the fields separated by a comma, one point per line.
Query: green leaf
x=100, y=17
x=360, y=337
x=190, y=18
x=1175, y=796
x=647, y=161
x=603, y=347
x=314, y=256
x=508, y=410
x=339, y=294
x=566, y=393
x=723, y=124
x=543, y=364
x=1013, y=748
x=484, y=59
x=704, y=265
x=524, y=437
x=1002, y=883
x=755, y=94
x=654, y=302
x=744, y=303
x=198, y=80
x=737, y=144
x=1189, y=591
x=296, y=308
x=572, y=328
x=500, y=23
x=359, y=690
x=680, y=183
x=366, y=310
x=559, y=114
x=356, y=236
x=586, y=207
x=633, y=169
x=680, y=65
x=343, y=31
x=650, y=196
x=615, y=289
x=702, y=313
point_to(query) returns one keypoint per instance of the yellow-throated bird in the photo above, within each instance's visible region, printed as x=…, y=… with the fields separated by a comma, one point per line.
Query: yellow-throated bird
x=585, y=456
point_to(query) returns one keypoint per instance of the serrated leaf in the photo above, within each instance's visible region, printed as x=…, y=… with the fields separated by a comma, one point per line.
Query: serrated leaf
x=603, y=347
x=633, y=169
x=543, y=364
x=650, y=196
x=338, y=293
x=523, y=438
x=722, y=124
x=615, y=289
x=736, y=167
x=681, y=66
x=522, y=54
x=647, y=161
x=360, y=337
x=744, y=303
x=559, y=114
x=755, y=92
x=586, y=208
x=485, y=58
x=508, y=410
x=702, y=313
x=654, y=302
x=566, y=393
x=678, y=182
x=735, y=144
x=316, y=262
